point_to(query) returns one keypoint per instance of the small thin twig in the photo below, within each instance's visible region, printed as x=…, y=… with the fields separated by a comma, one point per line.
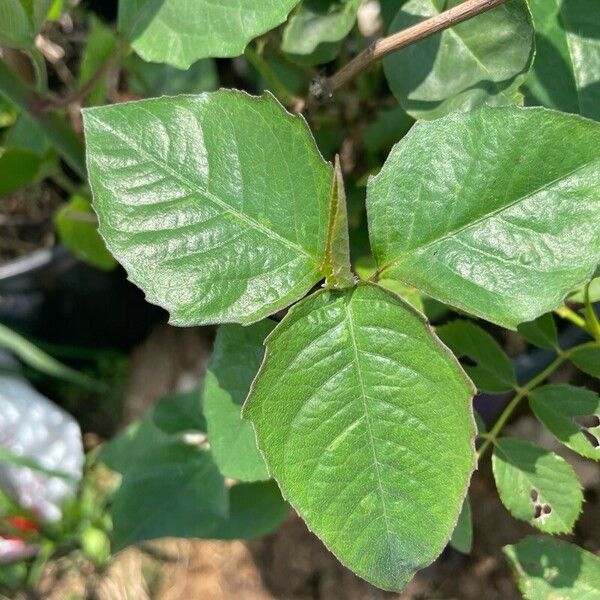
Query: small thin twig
x=325, y=88
x=78, y=95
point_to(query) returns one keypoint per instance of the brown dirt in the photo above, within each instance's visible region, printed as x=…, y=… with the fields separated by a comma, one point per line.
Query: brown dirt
x=26, y=221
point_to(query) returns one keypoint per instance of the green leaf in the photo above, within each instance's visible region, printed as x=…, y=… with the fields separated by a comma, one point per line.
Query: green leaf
x=152, y=79
x=566, y=70
x=100, y=44
x=237, y=354
x=77, y=228
x=495, y=212
x=17, y=169
x=215, y=204
x=336, y=263
x=314, y=32
x=365, y=268
x=462, y=537
x=388, y=127
x=180, y=412
x=365, y=421
x=464, y=66
x=175, y=490
x=594, y=292
x=552, y=569
x=255, y=509
x=15, y=27
x=536, y=485
x=172, y=488
x=587, y=359
x=26, y=135
x=493, y=372
x=558, y=406
x=180, y=33
x=37, y=10
x=541, y=332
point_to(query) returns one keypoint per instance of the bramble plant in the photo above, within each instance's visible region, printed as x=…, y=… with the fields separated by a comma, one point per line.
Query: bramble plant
x=223, y=211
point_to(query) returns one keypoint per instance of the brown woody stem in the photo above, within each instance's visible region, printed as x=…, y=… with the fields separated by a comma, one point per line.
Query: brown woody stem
x=384, y=46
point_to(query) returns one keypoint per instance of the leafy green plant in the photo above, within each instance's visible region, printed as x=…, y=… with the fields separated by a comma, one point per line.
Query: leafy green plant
x=222, y=209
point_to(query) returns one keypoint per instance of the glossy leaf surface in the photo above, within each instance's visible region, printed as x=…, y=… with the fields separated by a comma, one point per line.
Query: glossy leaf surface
x=495, y=212
x=237, y=355
x=215, y=204
x=464, y=66
x=352, y=404
x=492, y=372
x=180, y=33
x=560, y=407
x=566, y=70
x=549, y=568
x=536, y=485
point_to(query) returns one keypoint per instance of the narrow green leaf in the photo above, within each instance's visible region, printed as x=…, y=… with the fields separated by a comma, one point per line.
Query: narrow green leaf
x=17, y=169
x=15, y=27
x=495, y=212
x=551, y=569
x=100, y=44
x=464, y=66
x=353, y=402
x=77, y=229
x=180, y=33
x=37, y=359
x=237, y=354
x=541, y=332
x=559, y=406
x=536, y=485
x=215, y=204
x=587, y=359
x=314, y=32
x=566, y=71
x=462, y=537
x=336, y=263
x=10, y=458
x=493, y=371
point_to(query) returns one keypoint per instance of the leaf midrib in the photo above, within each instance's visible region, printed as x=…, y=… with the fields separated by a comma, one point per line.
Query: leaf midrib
x=205, y=193
x=409, y=253
x=352, y=333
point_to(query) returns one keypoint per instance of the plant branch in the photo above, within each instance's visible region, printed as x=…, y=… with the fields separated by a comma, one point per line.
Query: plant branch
x=384, y=46
x=279, y=88
x=564, y=312
x=63, y=138
x=590, y=314
x=79, y=94
x=522, y=393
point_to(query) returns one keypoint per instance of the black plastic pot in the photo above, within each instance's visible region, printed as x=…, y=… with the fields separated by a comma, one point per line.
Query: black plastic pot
x=52, y=296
